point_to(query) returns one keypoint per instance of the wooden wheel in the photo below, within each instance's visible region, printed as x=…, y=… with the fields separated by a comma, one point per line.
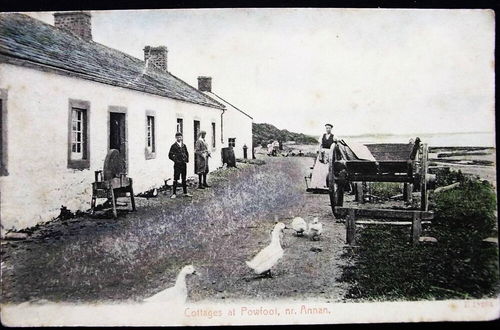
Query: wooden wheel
x=341, y=184
x=113, y=165
x=335, y=184
x=331, y=180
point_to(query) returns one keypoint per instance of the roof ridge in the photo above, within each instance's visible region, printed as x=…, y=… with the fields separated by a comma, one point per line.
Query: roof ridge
x=49, y=25
x=233, y=105
x=196, y=89
x=114, y=66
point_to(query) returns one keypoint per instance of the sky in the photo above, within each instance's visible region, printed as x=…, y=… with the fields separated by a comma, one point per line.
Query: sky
x=366, y=71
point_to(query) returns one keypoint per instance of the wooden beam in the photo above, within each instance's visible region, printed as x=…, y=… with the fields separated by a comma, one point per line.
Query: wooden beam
x=351, y=228
x=392, y=223
x=423, y=182
x=383, y=213
x=380, y=178
x=451, y=186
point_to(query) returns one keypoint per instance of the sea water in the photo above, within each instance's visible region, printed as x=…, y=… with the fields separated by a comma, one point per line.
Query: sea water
x=476, y=139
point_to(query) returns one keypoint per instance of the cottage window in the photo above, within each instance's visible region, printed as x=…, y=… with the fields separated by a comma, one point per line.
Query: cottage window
x=78, y=150
x=77, y=133
x=180, y=126
x=3, y=133
x=213, y=135
x=150, y=135
x=232, y=142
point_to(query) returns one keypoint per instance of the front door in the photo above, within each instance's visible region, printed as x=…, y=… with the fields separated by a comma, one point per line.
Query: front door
x=196, y=130
x=117, y=134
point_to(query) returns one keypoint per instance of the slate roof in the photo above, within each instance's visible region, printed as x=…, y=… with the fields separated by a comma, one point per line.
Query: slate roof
x=226, y=103
x=25, y=40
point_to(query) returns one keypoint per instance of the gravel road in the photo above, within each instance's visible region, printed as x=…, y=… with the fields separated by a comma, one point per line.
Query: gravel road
x=89, y=259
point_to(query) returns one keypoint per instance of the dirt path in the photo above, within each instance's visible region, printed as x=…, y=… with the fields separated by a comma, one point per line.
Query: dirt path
x=85, y=259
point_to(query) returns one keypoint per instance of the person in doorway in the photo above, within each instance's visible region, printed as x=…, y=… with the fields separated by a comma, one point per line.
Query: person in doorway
x=201, y=161
x=179, y=155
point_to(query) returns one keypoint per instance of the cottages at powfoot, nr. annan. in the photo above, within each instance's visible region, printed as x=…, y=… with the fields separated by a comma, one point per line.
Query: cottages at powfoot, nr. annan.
x=66, y=100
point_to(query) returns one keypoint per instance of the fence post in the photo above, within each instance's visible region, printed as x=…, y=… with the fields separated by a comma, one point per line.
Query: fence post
x=416, y=227
x=351, y=227
x=408, y=191
x=359, y=192
x=245, y=148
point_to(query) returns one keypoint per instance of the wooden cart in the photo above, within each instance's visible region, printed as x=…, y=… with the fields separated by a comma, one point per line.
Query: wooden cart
x=394, y=162
x=406, y=163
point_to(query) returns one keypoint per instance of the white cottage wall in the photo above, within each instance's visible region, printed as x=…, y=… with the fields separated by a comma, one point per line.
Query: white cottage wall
x=239, y=126
x=39, y=180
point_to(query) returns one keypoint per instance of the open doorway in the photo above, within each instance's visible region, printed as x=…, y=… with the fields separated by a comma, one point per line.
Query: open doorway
x=118, y=135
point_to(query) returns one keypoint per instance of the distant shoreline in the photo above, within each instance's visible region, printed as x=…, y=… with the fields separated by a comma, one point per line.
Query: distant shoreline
x=416, y=134
x=454, y=139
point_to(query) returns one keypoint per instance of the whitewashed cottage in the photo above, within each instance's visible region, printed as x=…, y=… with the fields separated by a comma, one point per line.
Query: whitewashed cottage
x=237, y=124
x=66, y=100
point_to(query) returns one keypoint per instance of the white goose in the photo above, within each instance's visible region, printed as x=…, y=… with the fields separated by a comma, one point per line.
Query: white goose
x=177, y=293
x=299, y=225
x=269, y=256
x=315, y=229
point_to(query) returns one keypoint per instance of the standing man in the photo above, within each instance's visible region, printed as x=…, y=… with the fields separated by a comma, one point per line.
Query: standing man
x=179, y=155
x=327, y=139
x=201, y=161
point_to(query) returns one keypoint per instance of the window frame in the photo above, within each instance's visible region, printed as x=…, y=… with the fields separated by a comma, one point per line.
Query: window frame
x=79, y=132
x=229, y=142
x=151, y=153
x=84, y=163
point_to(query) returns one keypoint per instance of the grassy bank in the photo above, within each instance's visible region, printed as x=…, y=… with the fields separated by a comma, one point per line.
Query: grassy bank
x=460, y=265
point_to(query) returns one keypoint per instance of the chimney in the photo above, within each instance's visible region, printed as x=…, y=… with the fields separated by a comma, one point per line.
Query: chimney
x=205, y=84
x=76, y=22
x=156, y=57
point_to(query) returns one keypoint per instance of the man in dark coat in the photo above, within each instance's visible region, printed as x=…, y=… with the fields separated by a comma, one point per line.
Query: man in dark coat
x=327, y=139
x=179, y=155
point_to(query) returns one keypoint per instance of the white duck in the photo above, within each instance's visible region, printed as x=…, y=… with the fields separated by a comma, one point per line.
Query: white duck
x=299, y=225
x=177, y=293
x=315, y=229
x=269, y=256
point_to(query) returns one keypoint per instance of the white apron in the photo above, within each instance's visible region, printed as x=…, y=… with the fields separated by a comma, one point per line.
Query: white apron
x=320, y=170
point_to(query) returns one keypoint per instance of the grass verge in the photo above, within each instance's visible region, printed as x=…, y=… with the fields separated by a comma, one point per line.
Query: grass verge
x=460, y=265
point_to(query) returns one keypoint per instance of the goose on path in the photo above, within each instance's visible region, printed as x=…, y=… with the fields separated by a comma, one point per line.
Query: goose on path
x=315, y=229
x=177, y=293
x=270, y=255
x=299, y=225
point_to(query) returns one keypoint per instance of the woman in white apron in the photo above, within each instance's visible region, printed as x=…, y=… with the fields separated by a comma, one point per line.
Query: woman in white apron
x=321, y=165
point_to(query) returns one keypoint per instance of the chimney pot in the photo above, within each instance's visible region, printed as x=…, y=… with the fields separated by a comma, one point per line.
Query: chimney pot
x=76, y=22
x=205, y=84
x=156, y=57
